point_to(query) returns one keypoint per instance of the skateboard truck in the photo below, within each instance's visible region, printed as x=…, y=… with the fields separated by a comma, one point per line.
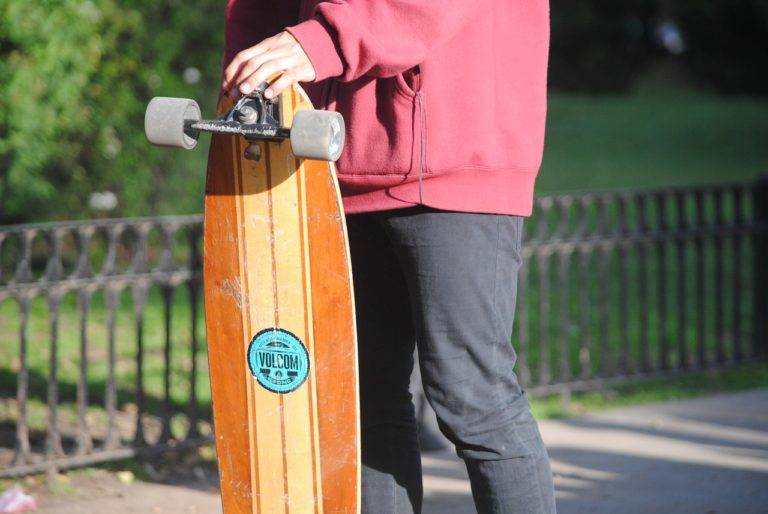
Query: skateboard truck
x=177, y=123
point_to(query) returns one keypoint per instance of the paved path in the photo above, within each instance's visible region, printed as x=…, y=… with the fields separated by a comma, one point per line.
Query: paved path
x=703, y=456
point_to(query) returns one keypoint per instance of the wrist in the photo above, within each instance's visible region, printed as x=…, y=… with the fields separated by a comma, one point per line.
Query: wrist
x=318, y=43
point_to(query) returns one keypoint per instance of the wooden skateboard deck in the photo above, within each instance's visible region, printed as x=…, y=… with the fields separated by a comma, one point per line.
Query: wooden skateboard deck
x=280, y=326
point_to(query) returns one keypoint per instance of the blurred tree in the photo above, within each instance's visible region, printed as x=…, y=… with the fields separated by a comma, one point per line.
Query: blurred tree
x=724, y=42
x=604, y=45
x=75, y=76
x=598, y=45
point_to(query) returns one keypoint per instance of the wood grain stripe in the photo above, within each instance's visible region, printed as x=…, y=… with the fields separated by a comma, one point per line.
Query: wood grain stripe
x=261, y=269
x=224, y=320
x=239, y=179
x=306, y=277
x=306, y=300
x=291, y=282
x=336, y=376
x=276, y=300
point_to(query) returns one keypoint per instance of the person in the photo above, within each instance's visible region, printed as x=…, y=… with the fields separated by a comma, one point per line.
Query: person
x=444, y=105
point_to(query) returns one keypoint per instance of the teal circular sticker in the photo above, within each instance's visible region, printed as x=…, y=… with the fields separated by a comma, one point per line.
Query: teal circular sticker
x=278, y=360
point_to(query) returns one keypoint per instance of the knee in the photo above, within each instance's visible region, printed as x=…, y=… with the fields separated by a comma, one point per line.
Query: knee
x=491, y=432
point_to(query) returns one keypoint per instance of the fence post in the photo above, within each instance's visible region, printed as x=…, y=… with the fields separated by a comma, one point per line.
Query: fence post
x=760, y=263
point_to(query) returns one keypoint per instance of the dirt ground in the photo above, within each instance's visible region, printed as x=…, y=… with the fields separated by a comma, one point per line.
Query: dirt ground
x=120, y=492
x=132, y=486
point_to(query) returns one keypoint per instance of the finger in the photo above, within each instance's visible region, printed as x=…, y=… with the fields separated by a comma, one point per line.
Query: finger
x=279, y=43
x=303, y=72
x=264, y=72
x=249, y=68
x=234, y=67
x=240, y=60
x=284, y=81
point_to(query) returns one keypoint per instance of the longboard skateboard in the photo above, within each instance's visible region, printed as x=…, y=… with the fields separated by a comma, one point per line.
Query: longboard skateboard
x=278, y=300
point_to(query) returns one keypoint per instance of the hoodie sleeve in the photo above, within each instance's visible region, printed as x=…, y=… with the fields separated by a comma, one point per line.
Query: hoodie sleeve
x=352, y=38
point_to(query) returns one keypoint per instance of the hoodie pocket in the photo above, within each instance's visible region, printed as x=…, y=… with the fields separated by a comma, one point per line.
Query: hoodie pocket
x=382, y=119
x=409, y=82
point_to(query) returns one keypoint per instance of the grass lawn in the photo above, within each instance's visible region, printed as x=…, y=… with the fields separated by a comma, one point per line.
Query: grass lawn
x=126, y=369
x=659, y=135
x=678, y=388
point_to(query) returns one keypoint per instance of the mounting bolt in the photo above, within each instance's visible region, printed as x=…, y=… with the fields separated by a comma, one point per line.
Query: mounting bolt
x=247, y=115
x=253, y=152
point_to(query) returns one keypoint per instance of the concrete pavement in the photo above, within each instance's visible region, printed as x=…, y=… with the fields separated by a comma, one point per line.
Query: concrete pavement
x=702, y=456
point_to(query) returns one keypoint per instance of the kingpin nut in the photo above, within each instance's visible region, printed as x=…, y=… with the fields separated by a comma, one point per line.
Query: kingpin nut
x=247, y=115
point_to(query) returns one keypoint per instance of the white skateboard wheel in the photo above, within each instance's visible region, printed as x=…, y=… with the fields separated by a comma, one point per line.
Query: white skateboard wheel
x=164, y=122
x=317, y=135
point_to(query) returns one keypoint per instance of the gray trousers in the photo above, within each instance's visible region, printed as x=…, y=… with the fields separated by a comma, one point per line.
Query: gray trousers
x=446, y=281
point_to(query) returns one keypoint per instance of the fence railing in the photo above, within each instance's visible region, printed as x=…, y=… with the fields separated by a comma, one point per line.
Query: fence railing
x=102, y=348
x=102, y=367
x=628, y=285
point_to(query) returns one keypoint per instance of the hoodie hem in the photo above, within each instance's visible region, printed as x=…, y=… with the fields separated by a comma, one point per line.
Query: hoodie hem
x=463, y=190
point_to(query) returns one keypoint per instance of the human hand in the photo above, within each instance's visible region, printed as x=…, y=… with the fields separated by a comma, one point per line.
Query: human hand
x=280, y=55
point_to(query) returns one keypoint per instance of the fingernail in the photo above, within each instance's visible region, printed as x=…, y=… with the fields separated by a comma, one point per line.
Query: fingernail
x=268, y=93
x=224, y=83
x=245, y=89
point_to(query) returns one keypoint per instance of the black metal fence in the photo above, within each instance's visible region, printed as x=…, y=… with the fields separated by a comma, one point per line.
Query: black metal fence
x=624, y=286
x=100, y=337
x=102, y=349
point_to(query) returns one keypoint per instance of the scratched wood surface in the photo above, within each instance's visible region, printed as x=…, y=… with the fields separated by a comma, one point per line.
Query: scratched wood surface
x=276, y=259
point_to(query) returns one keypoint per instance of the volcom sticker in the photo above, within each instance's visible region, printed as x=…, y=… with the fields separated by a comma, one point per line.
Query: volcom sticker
x=278, y=360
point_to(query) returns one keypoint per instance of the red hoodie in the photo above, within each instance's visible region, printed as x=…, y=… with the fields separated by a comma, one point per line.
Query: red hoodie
x=444, y=101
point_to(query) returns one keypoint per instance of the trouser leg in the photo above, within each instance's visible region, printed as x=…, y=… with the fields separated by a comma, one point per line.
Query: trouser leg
x=391, y=473
x=461, y=272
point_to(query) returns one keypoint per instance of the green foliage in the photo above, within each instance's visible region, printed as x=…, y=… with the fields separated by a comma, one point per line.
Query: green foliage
x=75, y=76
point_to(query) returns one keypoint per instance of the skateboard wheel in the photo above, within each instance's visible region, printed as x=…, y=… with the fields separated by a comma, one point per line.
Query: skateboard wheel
x=317, y=135
x=164, y=122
